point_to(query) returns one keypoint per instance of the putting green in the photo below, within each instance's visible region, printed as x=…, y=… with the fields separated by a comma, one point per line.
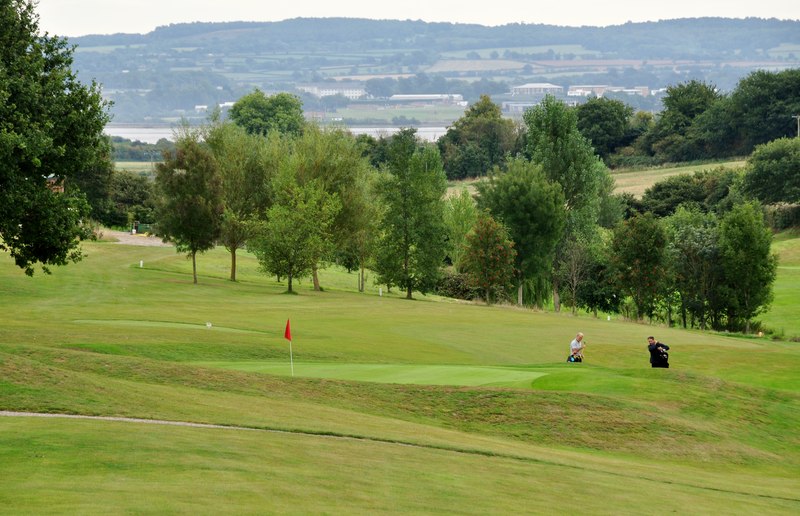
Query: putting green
x=394, y=373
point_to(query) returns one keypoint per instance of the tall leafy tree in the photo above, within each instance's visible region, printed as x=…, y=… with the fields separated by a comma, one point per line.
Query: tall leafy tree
x=567, y=158
x=333, y=158
x=260, y=114
x=190, y=202
x=246, y=163
x=761, y=103
x=605, y=123
x=460, y=215
x=683, y=104
x=489, y=256
x=747, y=263
x=297, y=227
x=50, y=127
x=477, y=141
x=532, y=208
x=413, y=245
x=773, y=172
x=639, y=257
x=694, y=257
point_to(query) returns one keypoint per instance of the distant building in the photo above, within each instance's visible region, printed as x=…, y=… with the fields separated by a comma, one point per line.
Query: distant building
x=436, y=98
x=599, y=90
x=351, y=90
x=537, y=88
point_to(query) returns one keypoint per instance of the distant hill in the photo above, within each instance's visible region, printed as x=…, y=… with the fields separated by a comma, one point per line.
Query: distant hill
x=172, y=69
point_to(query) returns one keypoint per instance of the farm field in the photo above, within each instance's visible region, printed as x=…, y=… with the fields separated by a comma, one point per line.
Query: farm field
x=637, y=181
x=424, y=406
x=631, y=181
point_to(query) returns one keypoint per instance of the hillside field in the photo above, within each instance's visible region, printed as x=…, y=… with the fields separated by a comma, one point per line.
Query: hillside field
x=423, y=406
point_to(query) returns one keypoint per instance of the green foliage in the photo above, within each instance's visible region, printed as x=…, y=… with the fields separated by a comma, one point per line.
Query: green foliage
x=50, y=131
x=761, y=107
x=456, y=285
x=639, y=257
x=334, y=159
x=532, y=208
x=413, y=244
x=709, y=190
x=747, y=262
x=460, y=215
x=246, y=163
x=132, y=199
x=489, y=256
x=297, y=230
x=694, y=257
x=683, y=104
x=773, y=172
x=566, y=157
x=190, y=205
x=606, y=124
x=478, y=141
x=260, y=114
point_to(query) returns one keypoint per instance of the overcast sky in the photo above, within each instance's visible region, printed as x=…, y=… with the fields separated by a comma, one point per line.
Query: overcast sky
x=81, y=17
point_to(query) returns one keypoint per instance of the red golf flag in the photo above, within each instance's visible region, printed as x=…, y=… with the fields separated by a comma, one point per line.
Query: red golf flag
x=288, y=333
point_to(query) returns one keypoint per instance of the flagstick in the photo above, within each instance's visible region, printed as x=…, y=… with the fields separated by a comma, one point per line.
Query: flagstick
x=291, y=359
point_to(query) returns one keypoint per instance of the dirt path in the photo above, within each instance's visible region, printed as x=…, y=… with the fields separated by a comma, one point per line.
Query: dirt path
x=125, y=238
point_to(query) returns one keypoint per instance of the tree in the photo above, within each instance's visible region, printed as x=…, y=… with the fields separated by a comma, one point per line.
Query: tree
x=638, y=251
x=773, y=172
x=246, y=163
x=747, y=263
x=259, y=114
x=51, y=129
x=334, y=159
x=477, y=141
x=605, y=123
x=761, y=107
x=190, y=201
x=132, y=199
x=567, y=158
x=599, y=290
x=413, y=245
x=460, y=215
x=297, y=229
x=683, y=104
x=575, y=268
x=532, y=208
x=489, y=256
x=694, y=246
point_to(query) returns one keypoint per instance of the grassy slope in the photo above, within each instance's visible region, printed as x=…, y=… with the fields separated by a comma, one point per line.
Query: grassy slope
x=106, y=337
x=782, y=316
x=637, y=181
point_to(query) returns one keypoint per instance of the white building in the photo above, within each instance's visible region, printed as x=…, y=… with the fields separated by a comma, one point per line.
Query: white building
x=537, y=88
x=352, y=91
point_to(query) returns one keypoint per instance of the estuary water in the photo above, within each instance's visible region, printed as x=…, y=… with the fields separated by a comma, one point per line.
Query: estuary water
x=151, y=134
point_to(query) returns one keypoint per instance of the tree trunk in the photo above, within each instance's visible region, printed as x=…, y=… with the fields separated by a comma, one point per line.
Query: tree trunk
x=408, y=293
x=194, y=266
x=362, y=280
x=233, y=264
x=289, y=279
x=316, y=278
x=488, y=299
x=556, y=297
x=519, y=294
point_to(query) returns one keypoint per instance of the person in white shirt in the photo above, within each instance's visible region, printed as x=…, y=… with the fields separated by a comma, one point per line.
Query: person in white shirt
x=576, y=348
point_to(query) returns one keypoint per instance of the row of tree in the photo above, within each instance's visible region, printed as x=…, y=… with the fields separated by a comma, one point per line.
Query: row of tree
x=697, y=122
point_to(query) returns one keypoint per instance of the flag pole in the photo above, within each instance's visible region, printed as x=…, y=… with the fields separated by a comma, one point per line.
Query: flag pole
x=287, y=334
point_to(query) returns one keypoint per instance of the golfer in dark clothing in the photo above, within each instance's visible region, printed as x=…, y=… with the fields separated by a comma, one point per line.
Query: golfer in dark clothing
x=658, y=353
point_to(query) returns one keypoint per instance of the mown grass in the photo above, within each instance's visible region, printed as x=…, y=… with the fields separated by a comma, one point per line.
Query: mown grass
x=717, y=432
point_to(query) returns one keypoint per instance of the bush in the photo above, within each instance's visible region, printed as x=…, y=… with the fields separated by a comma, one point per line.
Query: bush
x=456, y=285
x=782, y=216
